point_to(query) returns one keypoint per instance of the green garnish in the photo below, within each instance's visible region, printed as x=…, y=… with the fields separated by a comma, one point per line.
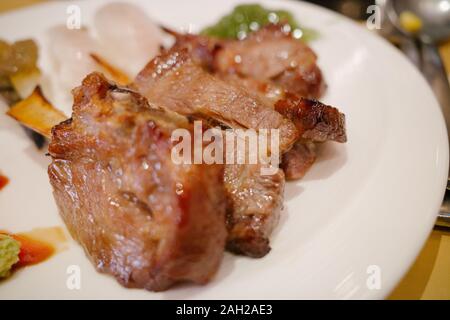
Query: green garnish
x=20, y=56
x=18, y=69
x=9, y=254
x=250, y=17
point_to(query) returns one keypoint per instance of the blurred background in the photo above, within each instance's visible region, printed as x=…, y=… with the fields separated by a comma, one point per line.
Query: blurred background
x=429, y=277
x=355, y=9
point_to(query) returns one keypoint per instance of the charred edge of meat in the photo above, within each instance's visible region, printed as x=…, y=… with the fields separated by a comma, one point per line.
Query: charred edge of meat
x=314, y=120
x=245, y=239
x=254, y=205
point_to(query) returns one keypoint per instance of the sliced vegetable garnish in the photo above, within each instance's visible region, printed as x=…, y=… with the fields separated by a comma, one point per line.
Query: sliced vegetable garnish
x=250, y=17
x=17, y=57
x=19, y=75
x=24, y=82
x=116, y=74
x=36, y=113
x=18, y=66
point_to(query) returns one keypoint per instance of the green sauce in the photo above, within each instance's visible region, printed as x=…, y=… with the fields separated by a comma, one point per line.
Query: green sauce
x=9, y=254
x=250, y=17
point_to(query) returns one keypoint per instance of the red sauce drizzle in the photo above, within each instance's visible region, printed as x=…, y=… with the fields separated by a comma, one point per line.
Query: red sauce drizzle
x=3, y=181
x=32, y=251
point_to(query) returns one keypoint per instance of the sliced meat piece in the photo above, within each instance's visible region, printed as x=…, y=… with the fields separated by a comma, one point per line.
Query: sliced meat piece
x=139, y=217
x=201, y=48
x=297, y=161
x=175, y=82
x=314, y=120
x=274, y=82
x=254, y=204
x=266, y=91
x=259, y=71
x=272, y=54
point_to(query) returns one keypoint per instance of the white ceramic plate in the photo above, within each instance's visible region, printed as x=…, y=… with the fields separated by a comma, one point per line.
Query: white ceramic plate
x=364, y=209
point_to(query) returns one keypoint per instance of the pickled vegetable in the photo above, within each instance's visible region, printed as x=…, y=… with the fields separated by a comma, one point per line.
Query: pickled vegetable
x=18, y=69
x=21, y=56
x=250, y=17
x=19, y=75
x=36, y=113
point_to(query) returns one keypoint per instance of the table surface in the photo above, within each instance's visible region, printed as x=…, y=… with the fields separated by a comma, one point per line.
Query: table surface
x=429, y=276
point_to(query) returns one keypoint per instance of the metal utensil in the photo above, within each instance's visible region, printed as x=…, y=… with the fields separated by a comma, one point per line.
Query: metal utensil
x=435, y=27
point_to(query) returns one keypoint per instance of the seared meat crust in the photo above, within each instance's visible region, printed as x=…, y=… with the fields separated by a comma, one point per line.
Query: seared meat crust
x=139, y=217
x=314, y=120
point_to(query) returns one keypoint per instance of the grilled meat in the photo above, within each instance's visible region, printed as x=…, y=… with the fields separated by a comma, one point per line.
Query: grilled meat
x=274, y=68
x=272, y=54
x=201, y=48
x=297, y=161
x=314, y=120
x=254, y=204
x=139, y=217
x=266, y=91
x=244, y=100
x=151, y=223
x=175, y=82
x=254, y=201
